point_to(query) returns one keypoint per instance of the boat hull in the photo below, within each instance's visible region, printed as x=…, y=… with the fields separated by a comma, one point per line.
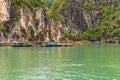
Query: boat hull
x=21, y=45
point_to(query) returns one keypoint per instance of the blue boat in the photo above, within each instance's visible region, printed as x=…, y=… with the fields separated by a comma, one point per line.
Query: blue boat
x=50, y=44
x=96, y=42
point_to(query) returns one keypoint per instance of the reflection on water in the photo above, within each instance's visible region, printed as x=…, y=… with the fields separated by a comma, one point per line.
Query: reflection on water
x=82, y=62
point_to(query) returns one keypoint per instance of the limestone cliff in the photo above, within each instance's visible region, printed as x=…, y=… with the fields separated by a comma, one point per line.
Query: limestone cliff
x=4, y=16
x=25, y=26
x=77, y=16
x=24, y=20
x=55, y=29
x=4, y=10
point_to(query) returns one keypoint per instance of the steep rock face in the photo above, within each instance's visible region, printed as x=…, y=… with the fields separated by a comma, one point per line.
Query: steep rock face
x=23, y=25
x=91, y=18
x=73, y=17
x=4, y=10
x=4, y=16
x=28, y=26
x=66, y=16
x=79, y=15
x=55, y=30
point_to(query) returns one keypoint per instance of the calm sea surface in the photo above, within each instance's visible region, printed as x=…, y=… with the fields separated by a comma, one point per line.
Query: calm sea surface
x=81, y=62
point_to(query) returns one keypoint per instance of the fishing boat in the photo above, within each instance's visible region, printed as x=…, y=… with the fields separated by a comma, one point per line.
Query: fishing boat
x=21, y=45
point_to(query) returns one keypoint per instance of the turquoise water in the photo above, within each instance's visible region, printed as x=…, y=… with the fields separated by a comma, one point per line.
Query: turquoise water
x=81, y=62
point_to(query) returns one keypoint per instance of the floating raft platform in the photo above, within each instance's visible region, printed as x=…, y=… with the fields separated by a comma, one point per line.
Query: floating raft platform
x=55, y=44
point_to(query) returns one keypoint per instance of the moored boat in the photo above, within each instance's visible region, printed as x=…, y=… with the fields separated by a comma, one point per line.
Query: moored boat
x=96, y=42
x=49, y=44
x=21, y=45
x=55, y=44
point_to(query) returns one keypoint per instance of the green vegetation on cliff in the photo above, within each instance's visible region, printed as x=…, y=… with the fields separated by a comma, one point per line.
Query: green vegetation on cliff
x=57, y=8
x=16, y=4
x=108, y=27
x=94, y=19
x=108, y=15
x=48, y=2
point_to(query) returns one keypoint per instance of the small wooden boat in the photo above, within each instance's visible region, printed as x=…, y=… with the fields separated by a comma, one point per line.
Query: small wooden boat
x=21, y=45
